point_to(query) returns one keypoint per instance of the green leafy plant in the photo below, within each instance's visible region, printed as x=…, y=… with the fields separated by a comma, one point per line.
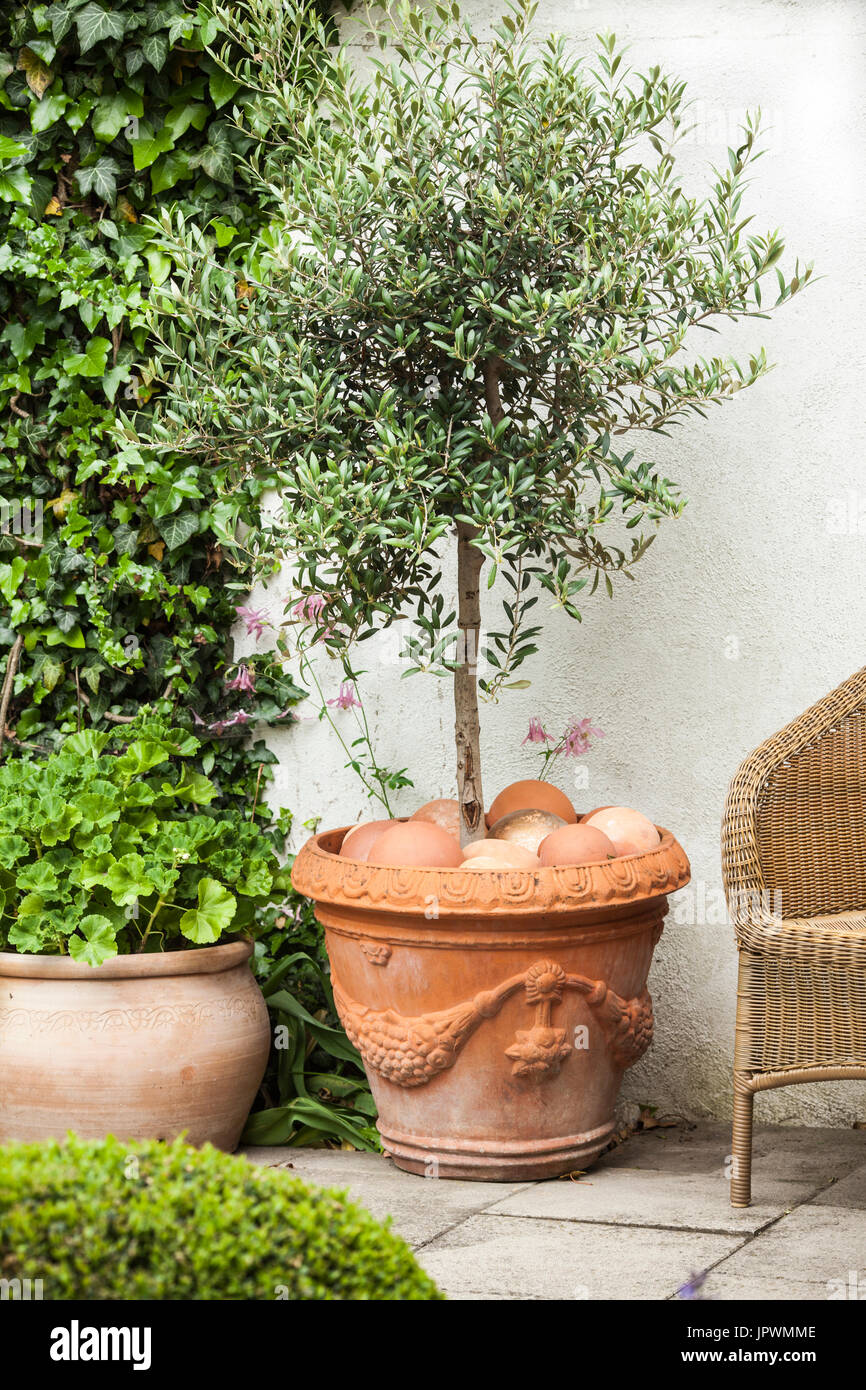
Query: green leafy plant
x=107, y=850
x=485, y=285
x=119, y=585
x=99, y=1220
x=315, y=1090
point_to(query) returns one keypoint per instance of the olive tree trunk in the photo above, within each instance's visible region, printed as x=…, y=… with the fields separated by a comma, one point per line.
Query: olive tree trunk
x=467, y=727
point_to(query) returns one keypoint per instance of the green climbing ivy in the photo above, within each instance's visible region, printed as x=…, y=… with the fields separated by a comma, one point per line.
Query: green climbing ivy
x=119, y=585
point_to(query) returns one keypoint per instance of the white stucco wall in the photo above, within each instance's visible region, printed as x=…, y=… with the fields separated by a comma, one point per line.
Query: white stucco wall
x=749, y=608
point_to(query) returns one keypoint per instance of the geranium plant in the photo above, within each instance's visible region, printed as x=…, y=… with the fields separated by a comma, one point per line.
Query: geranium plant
x=106, y=847
x=485, y=285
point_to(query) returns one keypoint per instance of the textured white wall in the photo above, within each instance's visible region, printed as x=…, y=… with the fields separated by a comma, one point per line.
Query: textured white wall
x=750, y=607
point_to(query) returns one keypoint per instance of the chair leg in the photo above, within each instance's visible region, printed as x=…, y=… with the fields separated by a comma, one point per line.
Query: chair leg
x=741, y=1141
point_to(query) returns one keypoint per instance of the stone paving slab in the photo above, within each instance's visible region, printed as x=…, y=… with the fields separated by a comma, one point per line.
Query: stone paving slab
x=624, y=1196
x=638, y=1225
x=795, y=1154
x=421, y=1208
x=722, y=1288
x=814, y=1244
x=499, y=1257
x=849, y=1192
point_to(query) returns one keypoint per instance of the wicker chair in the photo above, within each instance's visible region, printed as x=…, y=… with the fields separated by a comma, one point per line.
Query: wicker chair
x=794, y=866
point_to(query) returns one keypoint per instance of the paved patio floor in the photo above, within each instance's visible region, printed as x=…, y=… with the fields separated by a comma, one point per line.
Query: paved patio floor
x=640, y=1224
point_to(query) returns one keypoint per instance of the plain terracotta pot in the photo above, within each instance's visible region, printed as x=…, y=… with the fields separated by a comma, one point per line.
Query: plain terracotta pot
x=142, y=1047
x=495, y=1011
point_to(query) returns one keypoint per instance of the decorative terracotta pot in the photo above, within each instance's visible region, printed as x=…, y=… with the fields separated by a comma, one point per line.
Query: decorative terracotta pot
x=495, y=1011
x=142, y=1047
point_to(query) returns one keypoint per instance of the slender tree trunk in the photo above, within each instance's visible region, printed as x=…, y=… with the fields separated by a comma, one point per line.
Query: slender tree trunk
x=467, y=727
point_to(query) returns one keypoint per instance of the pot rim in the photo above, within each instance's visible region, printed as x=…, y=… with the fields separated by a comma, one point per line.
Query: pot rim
x=319, y=873
x=199, y=960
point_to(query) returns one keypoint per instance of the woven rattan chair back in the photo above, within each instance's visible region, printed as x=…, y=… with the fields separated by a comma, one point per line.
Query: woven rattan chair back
x=811, y=824
x=794, y=867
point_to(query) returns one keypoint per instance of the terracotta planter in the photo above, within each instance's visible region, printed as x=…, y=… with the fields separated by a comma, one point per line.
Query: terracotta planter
x=141, y=1047
x=495, y=1011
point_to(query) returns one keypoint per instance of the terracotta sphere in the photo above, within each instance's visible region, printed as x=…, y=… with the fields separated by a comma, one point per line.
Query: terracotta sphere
x=526, y=828
x=587, y=815
x=507, y=853
x=576, y=844
x=416, y=843
x=357, y=841
x=531, y=795
x=444, y=811
x=631, y=832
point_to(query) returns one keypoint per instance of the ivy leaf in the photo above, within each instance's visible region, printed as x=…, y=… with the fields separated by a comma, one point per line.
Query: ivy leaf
x=37, y=72
x=110, y=115
x=181, y=117
x=10, y=149
x=51, y=672
x=48, y=111
x=177, y=529
x=150, y=145
x=11, y=576
x=222, y=87
x=15, y=186
x=61, y=21
x=216, y=160
x=97, y=941
x=165, y=173
x=216, y=909
x=91, y=362
x=158, y=264
x=95, y=25
x=154, y=48
x=99, y=178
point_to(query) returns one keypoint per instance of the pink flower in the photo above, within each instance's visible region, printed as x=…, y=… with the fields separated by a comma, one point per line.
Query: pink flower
x=309, y=608
x=240, y=717
x=536, y=733
x=346, y=698
x=578, y=737
x=244, y=680
x=255, y=619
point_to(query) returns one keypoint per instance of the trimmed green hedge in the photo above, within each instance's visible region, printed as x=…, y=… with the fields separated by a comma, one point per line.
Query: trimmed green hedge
x=98, y=1219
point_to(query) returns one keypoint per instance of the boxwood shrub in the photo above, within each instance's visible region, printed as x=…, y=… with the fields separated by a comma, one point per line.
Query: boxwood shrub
x=100, y=1219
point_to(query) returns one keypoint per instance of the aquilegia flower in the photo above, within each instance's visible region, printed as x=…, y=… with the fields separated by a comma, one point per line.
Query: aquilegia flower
x=309, y=608
x=244, y=680
x=346, y=698
x=692, y=1289
x=536, y=732
x=578, y=737
x=255, y=618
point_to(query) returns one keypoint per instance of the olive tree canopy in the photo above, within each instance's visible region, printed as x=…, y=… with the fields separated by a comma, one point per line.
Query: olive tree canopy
x=482, y=283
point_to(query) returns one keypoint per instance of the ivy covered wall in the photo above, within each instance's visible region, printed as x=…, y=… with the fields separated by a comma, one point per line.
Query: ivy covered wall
x=115, y=592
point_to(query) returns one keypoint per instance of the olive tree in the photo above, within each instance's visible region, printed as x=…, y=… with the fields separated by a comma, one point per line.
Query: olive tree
x=483, y=287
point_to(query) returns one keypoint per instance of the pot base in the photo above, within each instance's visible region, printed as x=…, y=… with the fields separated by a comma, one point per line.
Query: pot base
x=496, y=1161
